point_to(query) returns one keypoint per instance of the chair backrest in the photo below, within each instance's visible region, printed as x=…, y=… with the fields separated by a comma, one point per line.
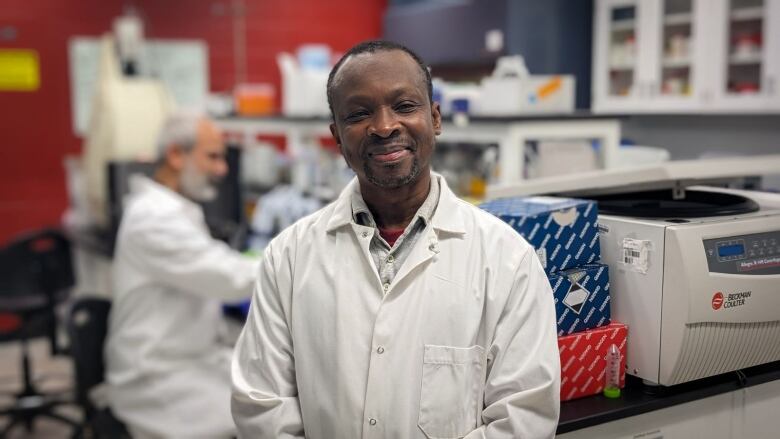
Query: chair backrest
x=36, y=263
x=87, y=329
x=35, y=270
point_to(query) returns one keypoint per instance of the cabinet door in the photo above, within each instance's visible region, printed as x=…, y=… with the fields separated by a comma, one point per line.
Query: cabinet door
x=675, y=73
x=772, y=51
x=616, y=36
x=744, y=80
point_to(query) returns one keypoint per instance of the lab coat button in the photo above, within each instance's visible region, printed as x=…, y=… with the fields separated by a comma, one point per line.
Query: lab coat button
x=372, y=421
x=380, y=350
x=386, y=287
x=365, y=234
x=390, y=259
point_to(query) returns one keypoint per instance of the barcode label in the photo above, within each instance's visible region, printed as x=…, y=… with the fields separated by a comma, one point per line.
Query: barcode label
x=630, y=255
x=636, y=254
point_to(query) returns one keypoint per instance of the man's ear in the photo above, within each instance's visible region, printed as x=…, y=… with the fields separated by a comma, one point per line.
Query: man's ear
x=436, y=115
x=335, y=133
x=175, y=156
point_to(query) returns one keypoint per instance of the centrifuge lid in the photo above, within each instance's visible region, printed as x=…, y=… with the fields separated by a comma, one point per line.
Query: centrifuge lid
x=670, y=175
x=663, y=204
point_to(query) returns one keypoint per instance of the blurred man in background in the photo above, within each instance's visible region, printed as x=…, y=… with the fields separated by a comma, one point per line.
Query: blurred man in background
x=167, y=370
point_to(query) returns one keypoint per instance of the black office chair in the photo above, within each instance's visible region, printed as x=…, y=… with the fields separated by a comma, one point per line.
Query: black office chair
x=36, y=274
x=87, y=328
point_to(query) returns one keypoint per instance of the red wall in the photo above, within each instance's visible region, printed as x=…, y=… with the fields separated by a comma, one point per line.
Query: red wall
x=35, y=126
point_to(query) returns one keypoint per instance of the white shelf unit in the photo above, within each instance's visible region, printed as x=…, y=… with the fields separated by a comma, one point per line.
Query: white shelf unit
x=678, y=18
x=754, y=13
x=752, y=58
x=624, y=25
x=625, y=65
x=672, y=63
x=686, y=58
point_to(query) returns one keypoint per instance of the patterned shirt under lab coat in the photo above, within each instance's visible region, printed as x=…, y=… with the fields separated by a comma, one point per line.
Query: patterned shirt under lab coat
x=463, y=342
x=168, y=374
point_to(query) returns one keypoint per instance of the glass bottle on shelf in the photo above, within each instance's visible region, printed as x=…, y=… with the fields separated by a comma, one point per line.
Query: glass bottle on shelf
x=677, y=31
x=622, y=50
x=745, y=48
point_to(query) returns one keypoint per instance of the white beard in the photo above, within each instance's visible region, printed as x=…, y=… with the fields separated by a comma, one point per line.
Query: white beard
x=196, y=185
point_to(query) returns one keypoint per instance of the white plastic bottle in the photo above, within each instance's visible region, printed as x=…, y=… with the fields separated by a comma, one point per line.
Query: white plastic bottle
x=612, y=373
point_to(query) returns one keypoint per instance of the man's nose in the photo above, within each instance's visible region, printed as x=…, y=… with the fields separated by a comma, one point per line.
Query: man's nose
x=222, y=168
x=384, y=124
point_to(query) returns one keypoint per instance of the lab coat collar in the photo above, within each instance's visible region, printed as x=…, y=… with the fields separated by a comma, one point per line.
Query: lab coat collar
x=445, y=218
x=142, y=184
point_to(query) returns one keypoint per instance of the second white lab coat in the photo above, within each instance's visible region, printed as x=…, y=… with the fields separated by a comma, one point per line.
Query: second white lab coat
x=461, y=343
x=168, y=374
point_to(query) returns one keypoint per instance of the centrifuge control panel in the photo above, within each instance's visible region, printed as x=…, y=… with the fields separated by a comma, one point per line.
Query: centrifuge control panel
x=757, y=254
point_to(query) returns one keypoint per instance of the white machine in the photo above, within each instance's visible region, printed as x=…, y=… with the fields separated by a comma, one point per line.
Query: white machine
x=694, y=271
x=127, y=113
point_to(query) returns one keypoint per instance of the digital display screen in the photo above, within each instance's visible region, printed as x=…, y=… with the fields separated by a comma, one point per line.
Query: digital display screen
x=731, y=250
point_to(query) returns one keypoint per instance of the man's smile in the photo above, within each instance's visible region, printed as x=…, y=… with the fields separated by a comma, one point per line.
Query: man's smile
x=392, y=155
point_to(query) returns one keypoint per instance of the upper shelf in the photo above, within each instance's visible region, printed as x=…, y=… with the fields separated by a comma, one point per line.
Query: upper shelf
x=744, y=14
x=680, y=18
x=622, y=25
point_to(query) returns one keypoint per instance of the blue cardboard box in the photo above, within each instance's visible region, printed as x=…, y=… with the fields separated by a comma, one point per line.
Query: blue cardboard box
x=563, y=231
x=581, y=298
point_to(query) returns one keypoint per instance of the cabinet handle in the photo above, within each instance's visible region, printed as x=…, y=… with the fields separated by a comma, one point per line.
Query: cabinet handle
x=770, y=85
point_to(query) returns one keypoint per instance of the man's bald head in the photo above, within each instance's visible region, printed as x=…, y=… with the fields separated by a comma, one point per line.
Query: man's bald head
x=373, y=47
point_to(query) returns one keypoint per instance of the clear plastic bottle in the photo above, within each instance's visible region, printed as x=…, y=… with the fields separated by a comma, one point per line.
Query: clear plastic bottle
x=612, y=373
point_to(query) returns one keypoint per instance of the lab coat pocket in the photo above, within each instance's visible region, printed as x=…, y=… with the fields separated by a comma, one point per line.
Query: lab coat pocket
x=451, y=385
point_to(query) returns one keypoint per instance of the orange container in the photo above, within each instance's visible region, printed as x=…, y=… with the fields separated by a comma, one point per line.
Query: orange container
x=254, y=99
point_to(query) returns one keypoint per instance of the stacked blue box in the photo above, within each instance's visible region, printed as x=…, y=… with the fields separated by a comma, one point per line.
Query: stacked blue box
x=564, y=232
x=581, y=298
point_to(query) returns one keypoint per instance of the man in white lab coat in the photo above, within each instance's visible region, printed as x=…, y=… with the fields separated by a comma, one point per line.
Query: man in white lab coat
x=398, y=311
x=168, y=374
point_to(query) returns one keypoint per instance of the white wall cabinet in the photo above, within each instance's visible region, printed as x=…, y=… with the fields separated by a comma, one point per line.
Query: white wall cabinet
x=686, y=56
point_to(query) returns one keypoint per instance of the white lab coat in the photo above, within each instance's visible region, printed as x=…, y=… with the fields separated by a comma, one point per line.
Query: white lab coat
x=462, y=343
x=167, y=373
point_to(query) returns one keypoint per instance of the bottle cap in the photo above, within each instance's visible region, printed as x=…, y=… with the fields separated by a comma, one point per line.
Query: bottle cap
x=612, y=392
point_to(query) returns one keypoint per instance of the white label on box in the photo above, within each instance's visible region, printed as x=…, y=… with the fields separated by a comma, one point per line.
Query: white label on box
x=546, y=200
x=636, y=254
x=541, y=253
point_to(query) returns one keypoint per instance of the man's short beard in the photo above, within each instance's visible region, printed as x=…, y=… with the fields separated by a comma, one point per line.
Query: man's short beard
x=393, y=182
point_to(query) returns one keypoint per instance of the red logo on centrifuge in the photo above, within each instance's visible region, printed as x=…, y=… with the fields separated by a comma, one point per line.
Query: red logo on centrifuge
x=717, y=300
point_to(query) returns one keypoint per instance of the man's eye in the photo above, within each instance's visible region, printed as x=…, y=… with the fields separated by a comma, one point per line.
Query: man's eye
x=356, y=116
x=406, y=107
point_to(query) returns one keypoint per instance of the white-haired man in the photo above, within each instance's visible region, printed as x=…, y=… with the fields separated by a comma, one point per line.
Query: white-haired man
x=167, y=371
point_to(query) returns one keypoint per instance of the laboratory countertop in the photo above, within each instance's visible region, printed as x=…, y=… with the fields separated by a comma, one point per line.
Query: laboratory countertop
x=638, y=398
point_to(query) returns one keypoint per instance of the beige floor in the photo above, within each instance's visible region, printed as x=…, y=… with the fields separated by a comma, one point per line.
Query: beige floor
x=51, y=375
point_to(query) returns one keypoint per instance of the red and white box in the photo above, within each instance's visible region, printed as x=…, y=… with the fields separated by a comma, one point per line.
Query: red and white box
x=584, y=362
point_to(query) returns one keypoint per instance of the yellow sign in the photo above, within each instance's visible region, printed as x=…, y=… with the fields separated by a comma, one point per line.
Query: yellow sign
x=19, y=70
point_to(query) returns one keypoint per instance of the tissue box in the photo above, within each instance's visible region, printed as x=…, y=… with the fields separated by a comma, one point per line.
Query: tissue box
x=581, y=298
x=563, y=231
x=583, y=359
